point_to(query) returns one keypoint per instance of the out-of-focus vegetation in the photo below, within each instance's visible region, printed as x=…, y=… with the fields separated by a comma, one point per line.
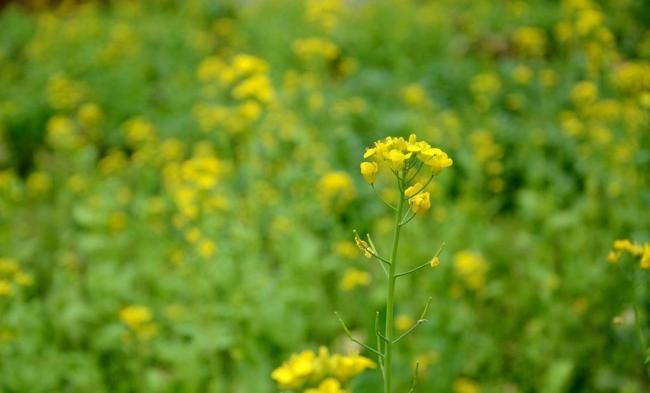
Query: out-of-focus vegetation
x=179, y=181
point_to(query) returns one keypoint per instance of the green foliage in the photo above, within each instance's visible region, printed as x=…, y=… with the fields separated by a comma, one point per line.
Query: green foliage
x=130, y=178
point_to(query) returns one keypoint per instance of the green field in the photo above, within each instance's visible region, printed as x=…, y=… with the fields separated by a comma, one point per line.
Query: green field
x=180, y=182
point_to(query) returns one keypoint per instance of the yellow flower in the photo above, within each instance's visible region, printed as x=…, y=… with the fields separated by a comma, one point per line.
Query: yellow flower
x=294, y=372
x=396, y=158
x=207, y=248
x=337, y=187
x=645, y=256
x=584, y=93
x=414, y=189
x=628, y=246
x=420, y=203
x=613, y=256
x=315, y=47
x=135, y=316
x=5, y=288
x=330, y=385
x=464, y=385
x=403, y=322
x=354, y=278
x=436, y=159
x=471, y=268
x=414, y=95
x=369, y=171
x=434, y=262
x=23, y=279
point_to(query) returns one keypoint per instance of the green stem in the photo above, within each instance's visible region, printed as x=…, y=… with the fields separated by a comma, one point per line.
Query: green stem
x=390, y=301
x=637, y=322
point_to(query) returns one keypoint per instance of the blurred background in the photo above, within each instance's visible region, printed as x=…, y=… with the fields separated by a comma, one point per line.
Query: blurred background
x=179, y=184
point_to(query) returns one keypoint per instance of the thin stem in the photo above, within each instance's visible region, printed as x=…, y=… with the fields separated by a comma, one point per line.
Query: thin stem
x=423, y=265
x=380, y=360
x=639, y=328
x=407, y=221
x=412, y=270
x=390, y=300
x=382, y=199
x=416, y=324
x=347, y=332
x=415, y=377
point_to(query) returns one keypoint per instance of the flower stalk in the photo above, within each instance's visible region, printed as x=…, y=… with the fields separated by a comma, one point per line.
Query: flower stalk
x=412, y=163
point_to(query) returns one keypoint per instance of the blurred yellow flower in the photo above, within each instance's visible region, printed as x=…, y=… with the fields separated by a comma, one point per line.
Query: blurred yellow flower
x=471, y=267
x=464, y=385
x=353, y=278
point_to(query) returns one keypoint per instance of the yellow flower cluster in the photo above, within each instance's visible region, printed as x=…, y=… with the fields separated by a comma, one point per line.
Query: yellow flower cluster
x=324, y=13
x=488, y=153
x=309, y=368
x=464, y=385
x=11, y=275
x=414, y=95
x=402, y=155
x=330, y=385
x=192, y=183
x=139, y=132
x=246, y=81
x=406, y=159
x=530, y=41
x=471, y=268
x=63, y=93
x=336, y=190
x=642, y=251
x=139, y=320
x=315, y=48
x=353, y=278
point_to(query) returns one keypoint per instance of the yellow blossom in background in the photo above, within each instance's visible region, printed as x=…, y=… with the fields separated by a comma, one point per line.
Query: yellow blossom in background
x=530, y=41
x=315, y=48
x=330, y=385
x=323, y=13
x=645, y=257
x=353, y=278
x=5, y=288
x=308, y=367
x=627, y=246
x=139, y=131
x=485, y=84
x=138, y=319
x=207, y=248
x=89, y=115
x=346, y=249
x=62, y=133
x=39, y=183
x=471, y=267
x=336, y=189
x=584, y=93
x=63, y=93
x=294, y=372
x=403, y=322
x=464, y=385
x=414, y=95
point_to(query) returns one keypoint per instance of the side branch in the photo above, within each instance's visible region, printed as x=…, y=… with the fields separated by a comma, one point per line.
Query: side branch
x=347, y=332
x=416, y=324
